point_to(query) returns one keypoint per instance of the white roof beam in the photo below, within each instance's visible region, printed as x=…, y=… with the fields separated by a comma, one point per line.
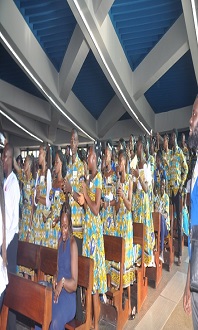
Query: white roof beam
x=112, y=113
x=74, y=58
x=172, y=46
x=190, y=27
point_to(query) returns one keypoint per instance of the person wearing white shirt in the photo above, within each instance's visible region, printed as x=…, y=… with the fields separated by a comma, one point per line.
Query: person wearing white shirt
x=190, y=299
x=3, y=268
x=12, y=196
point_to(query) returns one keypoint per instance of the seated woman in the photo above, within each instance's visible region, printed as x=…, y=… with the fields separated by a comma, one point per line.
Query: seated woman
x=66, y=278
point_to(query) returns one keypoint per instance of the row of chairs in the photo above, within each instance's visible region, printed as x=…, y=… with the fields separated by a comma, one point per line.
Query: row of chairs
x=34, y=300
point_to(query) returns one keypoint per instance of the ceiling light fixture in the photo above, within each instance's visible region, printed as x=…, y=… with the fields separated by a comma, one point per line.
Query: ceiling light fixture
x=194, y=17
x=18, y=125
x=40, y=86
x=106, y=65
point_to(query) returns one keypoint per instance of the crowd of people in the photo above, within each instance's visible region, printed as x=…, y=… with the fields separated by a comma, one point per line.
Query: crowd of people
x=101, y=191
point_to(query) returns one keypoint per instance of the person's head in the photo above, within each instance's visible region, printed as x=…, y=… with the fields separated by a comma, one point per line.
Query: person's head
x=158, y=159
x=174, y=136
x=44, y=155
x=74, y=141
x=131, y=142
x=92, y=158
x=19, y=161
x=7, y=158
x=121, y=144
x=165, y=141
x=29, y=165
x=65, y=222
x=140, y=146
x=121, y=160
x=108, y=152
x=193, y=135
x=60, y=163
x=162, y=186
x=155, y=189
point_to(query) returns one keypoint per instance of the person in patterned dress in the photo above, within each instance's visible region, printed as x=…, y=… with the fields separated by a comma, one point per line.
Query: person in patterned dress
x=40, y=226
x=57, y=198
x=142, y=210
x=123, y=224
x=108, y=193
x=72, y=187
x=26, y=177
x=93, y=242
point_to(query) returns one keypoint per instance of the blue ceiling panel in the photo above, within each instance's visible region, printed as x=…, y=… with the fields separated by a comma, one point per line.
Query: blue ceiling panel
x=140, y=24
x=92, y=87
x=52, y=23
x=14, y=75
x=177, y=88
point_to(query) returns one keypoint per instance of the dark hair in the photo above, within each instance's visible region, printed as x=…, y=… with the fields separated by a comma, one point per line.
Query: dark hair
x=175, y=131
x=74, y=131
x=166, y=136
x=32, y=165
x=63, y=161
x=142, y=140
x=123, y=143
x=159, y=155
x=82, y=154
x=67, y=210
x=45, y=146
x=109, y=145
x=19, y=157
x=2, y=203
x=122, y=152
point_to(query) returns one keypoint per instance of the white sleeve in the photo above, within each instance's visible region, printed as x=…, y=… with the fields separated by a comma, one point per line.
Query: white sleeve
x=49, y=187
x=35, y=190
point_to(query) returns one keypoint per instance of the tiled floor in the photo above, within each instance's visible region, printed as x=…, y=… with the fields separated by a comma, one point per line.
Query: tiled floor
x=163, y=307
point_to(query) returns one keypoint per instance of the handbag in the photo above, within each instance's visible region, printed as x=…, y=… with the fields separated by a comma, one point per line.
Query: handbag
x=194, y=260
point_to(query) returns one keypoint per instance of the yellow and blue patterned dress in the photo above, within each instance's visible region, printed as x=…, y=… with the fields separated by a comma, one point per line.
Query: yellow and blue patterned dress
x=124, y=228
x=40, y=225
x=74, y=172
x=93, y=243
x=57, y=198
x=142, y=213
x=27, y=205
x=27, y=194
x=108, y=193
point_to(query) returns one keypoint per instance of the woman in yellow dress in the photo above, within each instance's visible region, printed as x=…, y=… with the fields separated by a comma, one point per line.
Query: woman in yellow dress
x=93, y=243
x=142, y=210
x=57, y=198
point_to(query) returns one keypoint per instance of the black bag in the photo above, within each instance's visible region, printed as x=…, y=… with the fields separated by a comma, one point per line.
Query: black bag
x=194, y=260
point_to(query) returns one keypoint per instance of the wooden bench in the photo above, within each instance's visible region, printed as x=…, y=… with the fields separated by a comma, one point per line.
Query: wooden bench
x=47, y=262
x=28, y=256
x=140, y=287
x=115, y=251
x=168, y=243
x=29, y=299
x=155, y=273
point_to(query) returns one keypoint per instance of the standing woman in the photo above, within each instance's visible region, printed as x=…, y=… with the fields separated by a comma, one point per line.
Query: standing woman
x=3, y=259
x=142, y=211
x=123, y=223
x=57, y=198
x=93, y=243
x=108, y=193
x=27, y=177
x=40, y=225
